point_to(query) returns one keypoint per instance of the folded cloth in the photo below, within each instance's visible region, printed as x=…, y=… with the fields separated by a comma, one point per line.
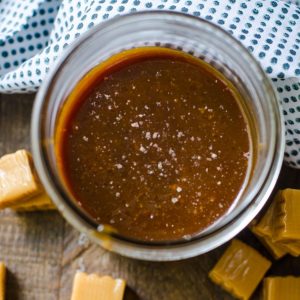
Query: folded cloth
x=34, y=33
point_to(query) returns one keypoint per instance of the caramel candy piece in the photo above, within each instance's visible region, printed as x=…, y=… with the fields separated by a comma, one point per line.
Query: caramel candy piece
x=286, y=218
x=281, y=288
x=292, y=248
x=263, y=230
x=2, y=281
x=39, y=202
x=18, y=181
x=94, y=287
x=240, y=270
x=20, y=188
x=277, y=250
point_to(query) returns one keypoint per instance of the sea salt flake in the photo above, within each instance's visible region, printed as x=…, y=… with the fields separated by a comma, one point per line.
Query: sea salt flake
x=174, y=200
x=187, y=237
x=214, y=155
x=180, y=134
x=178, y=189
x=148, y=135
x=135, y=125
x=247, y=154
x=142, y=149
x=119, y=166
x=155, y=135
x=172, y=152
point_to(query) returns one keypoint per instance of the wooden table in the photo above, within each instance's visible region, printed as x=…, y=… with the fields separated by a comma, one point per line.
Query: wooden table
x=42, y=252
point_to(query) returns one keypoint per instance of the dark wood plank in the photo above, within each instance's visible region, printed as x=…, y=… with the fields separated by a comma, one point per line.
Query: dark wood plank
x=30, y=243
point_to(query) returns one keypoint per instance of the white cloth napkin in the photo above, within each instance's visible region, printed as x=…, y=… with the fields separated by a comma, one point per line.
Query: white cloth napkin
x=33, y=33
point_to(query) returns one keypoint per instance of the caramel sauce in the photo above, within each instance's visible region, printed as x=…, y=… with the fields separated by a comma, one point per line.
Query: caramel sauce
x=154, y=143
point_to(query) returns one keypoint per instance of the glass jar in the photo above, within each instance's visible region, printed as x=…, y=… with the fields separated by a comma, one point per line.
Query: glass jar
x=199, y=38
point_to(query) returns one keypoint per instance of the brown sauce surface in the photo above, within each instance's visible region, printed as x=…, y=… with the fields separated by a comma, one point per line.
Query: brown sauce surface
x=154, y=143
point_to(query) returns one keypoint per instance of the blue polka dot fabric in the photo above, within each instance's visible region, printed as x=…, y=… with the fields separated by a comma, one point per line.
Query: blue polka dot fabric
x=34, y=33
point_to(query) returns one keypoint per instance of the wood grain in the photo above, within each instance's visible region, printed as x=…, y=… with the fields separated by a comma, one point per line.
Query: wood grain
x=30, y=243
x=43, y=252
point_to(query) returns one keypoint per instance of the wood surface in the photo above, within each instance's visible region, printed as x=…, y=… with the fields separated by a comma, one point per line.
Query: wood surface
x=42, y=252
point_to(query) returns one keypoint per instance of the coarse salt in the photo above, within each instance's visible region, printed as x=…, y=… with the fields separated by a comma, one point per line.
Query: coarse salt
x=174, y=200
x=142, y=149
x=148, y=135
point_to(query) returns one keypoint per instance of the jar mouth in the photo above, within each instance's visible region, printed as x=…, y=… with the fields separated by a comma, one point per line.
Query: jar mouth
x=236, y=219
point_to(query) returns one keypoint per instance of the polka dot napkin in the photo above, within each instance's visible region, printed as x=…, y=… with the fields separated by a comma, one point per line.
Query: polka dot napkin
x=33, y=33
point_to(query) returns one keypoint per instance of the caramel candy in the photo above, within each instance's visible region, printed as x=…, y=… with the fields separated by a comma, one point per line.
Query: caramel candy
x=2, y=281
x=281, y=288
x=20, y=188
x=94, y=287
x=240, y=270
x=277, y=251
x=39, y=202
x=271, y=224
x=286, y=218
x=292, y=248
x=18, y=181
x=263, y=230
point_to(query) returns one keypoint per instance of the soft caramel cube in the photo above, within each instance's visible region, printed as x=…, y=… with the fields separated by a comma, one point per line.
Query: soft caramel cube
x=18, y=180
x=275, y=249
x=266, y=229
x=94, y=287
x=292, y=247
x=263, y=230
x=2, y=281
x=281, y=288
x=286, y=218
x=240, y=270
x=39, y=202
x=264, y=226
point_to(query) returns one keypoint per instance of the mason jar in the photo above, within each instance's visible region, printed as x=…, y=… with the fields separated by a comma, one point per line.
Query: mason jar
x=196, y=37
